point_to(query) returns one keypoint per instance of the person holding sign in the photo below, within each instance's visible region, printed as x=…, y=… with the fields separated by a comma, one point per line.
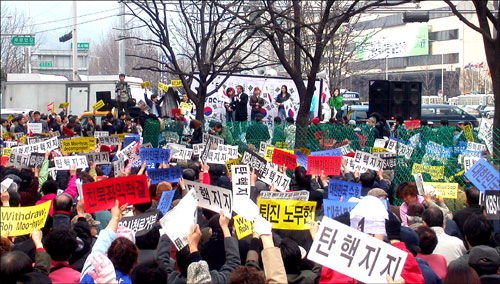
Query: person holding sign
x=186, y=106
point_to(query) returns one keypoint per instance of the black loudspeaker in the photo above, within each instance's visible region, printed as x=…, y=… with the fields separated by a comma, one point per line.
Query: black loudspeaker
x=105, y=96
x=399, y=99
x=414, y=100
x=380, y=99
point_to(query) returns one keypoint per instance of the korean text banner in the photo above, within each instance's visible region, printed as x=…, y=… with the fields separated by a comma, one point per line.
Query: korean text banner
x=328, y=164
x=101, y=195
x=169, y=175
x=165, y=201
x=338, y=188
x=355, y=254
x=21, y=220
x=154, y=155
x=140, y=224
x=288, y=214
x=212, y=197
x=436, y=172
x=294, y=195
x=483, y=176
x=443, y=189
x=333, y=208
x=283, y=158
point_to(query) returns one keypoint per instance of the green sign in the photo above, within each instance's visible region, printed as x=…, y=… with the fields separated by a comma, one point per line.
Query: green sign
x=81, y=45
x=23, y=40
x=45, y=64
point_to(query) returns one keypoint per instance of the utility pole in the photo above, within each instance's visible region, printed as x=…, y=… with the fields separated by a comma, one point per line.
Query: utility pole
x=121, y=43
x=75, y=47
x=28, y=50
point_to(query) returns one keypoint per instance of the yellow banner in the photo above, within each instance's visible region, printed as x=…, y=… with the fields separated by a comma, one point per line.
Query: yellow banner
x=176, y=83
x=146, y=85
x=468, y=133
x=10, y=118
x=230, y=163
x=98, y=105
x=6, y=152
x=63, y=105
x=82, y=144
x=21, y=220
x=121, y=135
x=242, y=226
x=376, y=150
x=185, y=107
x=282, y=145
x=162, y=86
x=22, y=139
x=268, y=153
x=288, y=214
x=446, y=190
x=436, y=172
x=305, y=151
x=6, y=135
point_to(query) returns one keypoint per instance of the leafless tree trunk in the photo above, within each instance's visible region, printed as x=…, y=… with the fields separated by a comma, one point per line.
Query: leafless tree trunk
x=13, y=60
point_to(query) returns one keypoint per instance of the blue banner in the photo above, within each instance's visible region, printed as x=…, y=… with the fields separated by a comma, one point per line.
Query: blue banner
x=154, y=155
x=165, y=201
x=332, y=152
x=129, y=138
x=169, y=175
x=301, y=159
x=483, y=176
x=338, y=188
x=333, y=208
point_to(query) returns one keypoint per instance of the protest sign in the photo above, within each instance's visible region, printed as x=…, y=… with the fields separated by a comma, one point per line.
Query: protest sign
x=302, y=195
x=217, y=157
x=379, y=143
x=11, y=144
x=34, y=140
x=332, y=152
x=281, y=158
x=334, y=208
x=140, y=224
x=171, y=175
x=263, y=145
x=230, y=163
x=65, y=163
x=351, y=166
x=101, y=195
x=468, y=133
x=304, y=151
x=129, y=138
x=154, y=155
x=118, y=167
x=301, y=159
x=419, y=181
x=6, y=135
x=125, y=153
x=98, y=105
x=288, y=214
x=469, y=162
x=165, y=201
x=98, y=158
x=492, y=204
x=368, y=160
x=443, y=189
x=483, y=176
x=208, y=138
x=212, y=197
x=19, y=160
x=272, y=176
x=109, y=140
x=472, y=146
x=242, y=226
x=486, y=134
x=398, y=147
x=178, y=221
x=241, y=181
x=198, y=148
x=98, y=134
x=389, y=160
x=121, y=136
x=64, y=105
x=146, y=85
x=20, y=221
x=437, y=150
x=81, y=144
x=182, y=154
x=40, y=147
x=412, y=124
x=6, y=152
x=338, y=188
x=355, y=254
x=36, y=159
x=3, y=161
x=255, y=162
x=281, y=145
x=35, y=127
x=268, y=153
x=232, y=152
x=330, y=165
x=436, y=172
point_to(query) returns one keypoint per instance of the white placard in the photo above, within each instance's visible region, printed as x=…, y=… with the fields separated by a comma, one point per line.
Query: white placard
x=263, y=146
x=109, y=140
x=65, y=163
x=271, y=176
x=419, y=181
x=302, y=195
x=182, y=154
x=472, y=146
x=217, y=157
x=98, y=158
x=53, y=173
x=98, y=134
x=40, y=147
x=241, y=181
x=212, y=139
x=178, y=221
x=198, y=148
x=379, y=143
x=402, y=149
x=118, y=166
x=212, y=197
x=11, y=144
x=486, y=134
x=368, y=160
x=469, y=162
x=19, y=160
x=125, y=153
x=35, y=127
x=6, y=184
x=355, y=254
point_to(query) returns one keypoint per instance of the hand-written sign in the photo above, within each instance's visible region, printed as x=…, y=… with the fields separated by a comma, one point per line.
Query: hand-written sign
x=486, y=134
x=242, y=226
x=183, y=154
x=333, y=208
x=338, y=188
x=217, y=157
x=35, y=128
x=284, y=158
x=212, y=197
x=472, y=146
x=171, y=175
x=65, y=163
x=165, y=201
x=241, y=181
x=154, y=155
x=389, y=160
x=19, y=160
x=255, y=162
x=355, y=254
x=198, y=148
x=288, y=214
x=101, y=195
x=206, y=138
x=98, y=158
x=468, y=133
x=445, y=190
x=20, y=221
x=436, y=172
x=330, y=165
x=492, y=204
x=127, y=152
x=302, y=195
x=232, y=151
x=140, y=224
x=483, y=176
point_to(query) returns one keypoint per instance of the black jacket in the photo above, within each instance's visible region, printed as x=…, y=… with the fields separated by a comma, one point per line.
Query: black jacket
x=197, y=136
x=241, y=108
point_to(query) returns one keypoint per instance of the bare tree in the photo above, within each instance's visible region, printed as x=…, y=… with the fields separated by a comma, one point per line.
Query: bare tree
x=489, y=25
x=203, y=35
x=428, y=79
x=12, y=56
x=292, y=33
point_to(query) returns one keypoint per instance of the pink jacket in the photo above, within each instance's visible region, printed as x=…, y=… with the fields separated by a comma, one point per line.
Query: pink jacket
x=64, y=275
x=71, y=190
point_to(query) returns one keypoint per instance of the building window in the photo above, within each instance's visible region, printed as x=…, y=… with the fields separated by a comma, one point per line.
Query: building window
x=443, y=35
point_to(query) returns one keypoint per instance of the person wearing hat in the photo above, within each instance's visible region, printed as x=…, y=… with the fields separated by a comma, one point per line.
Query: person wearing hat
x=486, y=262
x=122, y=91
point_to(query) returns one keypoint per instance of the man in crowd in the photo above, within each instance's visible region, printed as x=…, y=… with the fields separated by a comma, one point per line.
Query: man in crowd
x=123, y=94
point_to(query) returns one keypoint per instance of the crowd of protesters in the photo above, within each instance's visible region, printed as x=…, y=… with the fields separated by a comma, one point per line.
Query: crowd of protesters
x=443, y=245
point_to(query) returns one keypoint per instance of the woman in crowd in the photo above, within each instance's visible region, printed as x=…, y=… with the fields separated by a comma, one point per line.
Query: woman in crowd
x=282, y=97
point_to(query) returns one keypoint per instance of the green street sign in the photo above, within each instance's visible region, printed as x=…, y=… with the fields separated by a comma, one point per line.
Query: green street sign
x=45, y=64
x=81, y=45
x=23, y=41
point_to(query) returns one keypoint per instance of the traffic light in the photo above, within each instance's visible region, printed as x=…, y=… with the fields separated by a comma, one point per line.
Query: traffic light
x=415, y=17
x=66, y=37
